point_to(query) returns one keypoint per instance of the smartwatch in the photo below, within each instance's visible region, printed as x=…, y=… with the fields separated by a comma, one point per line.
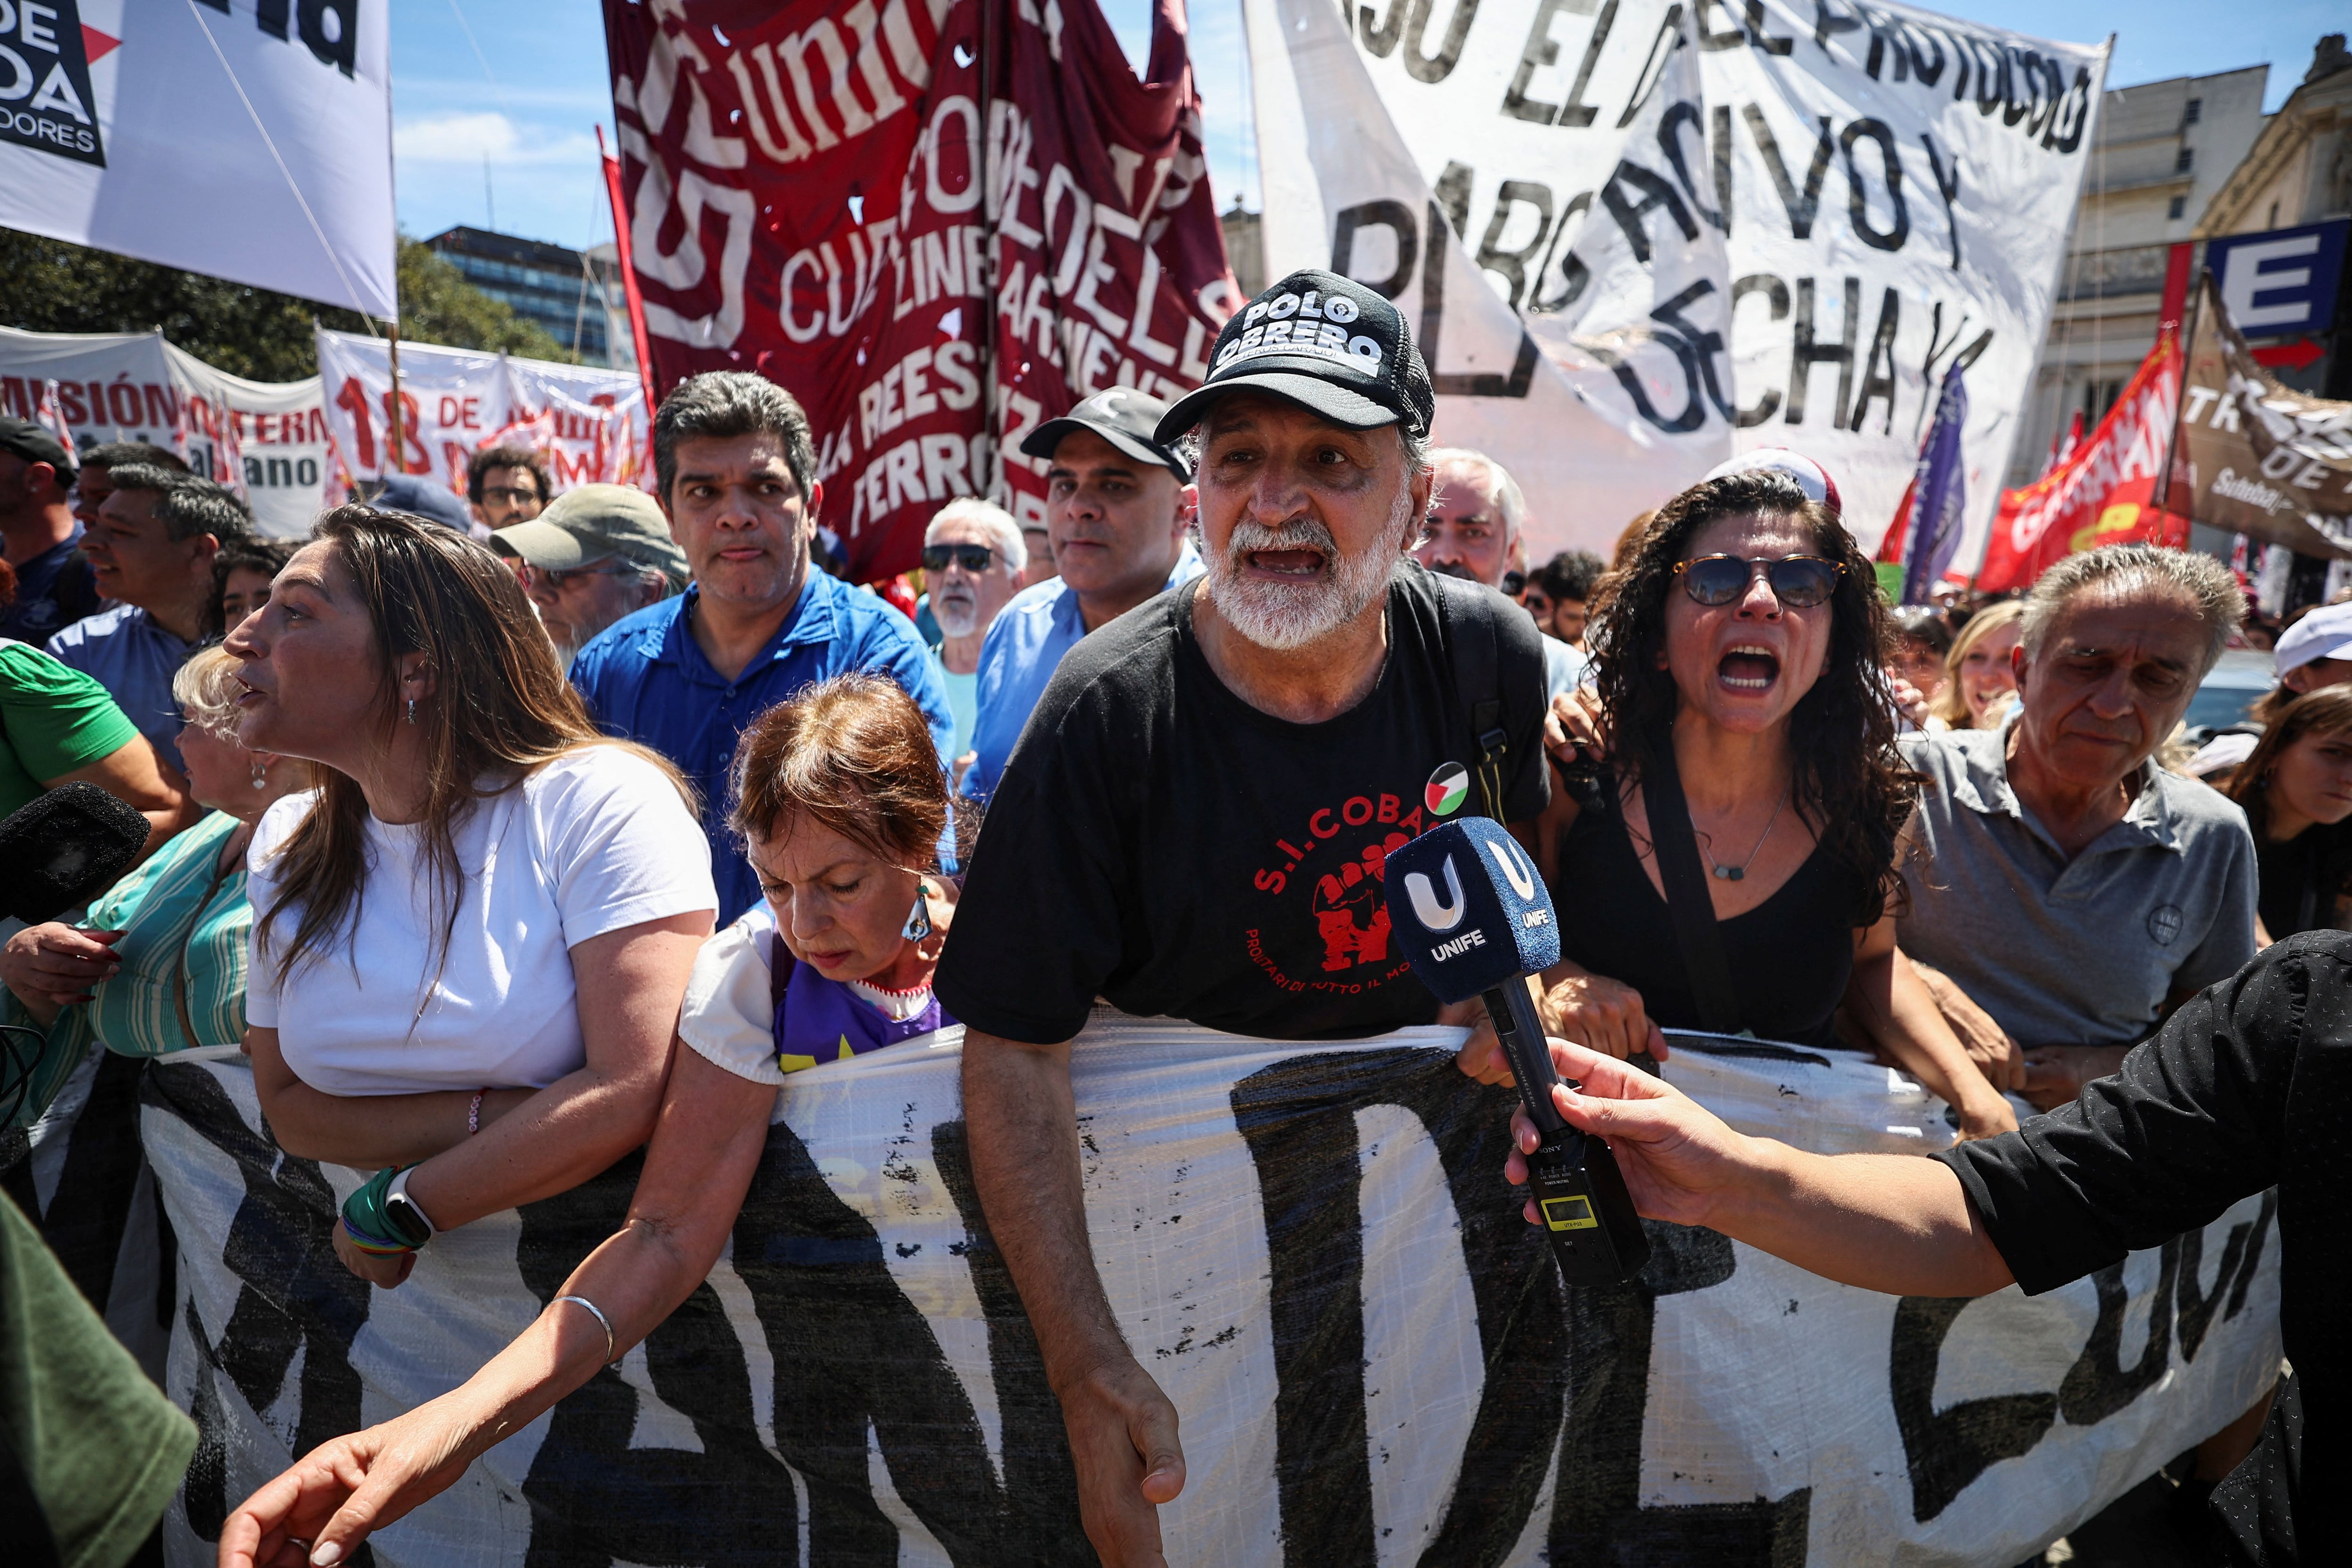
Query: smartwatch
x=403, y=1214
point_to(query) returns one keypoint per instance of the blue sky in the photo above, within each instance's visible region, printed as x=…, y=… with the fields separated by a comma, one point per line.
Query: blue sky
x=517, y=87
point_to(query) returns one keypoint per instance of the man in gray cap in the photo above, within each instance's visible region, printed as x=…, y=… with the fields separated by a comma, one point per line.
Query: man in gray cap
x=597, y=553
x=1196, y=821
x=1119, y=517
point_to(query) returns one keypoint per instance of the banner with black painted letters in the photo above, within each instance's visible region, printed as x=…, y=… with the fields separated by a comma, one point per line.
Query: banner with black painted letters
x=1313, y=1250
x=1819, y=206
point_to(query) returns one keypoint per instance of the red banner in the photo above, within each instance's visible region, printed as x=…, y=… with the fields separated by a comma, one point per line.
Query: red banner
x=805, y=186
x=2100, y=494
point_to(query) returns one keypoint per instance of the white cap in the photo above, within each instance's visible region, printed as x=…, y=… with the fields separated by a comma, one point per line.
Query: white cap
x=1810, y=476
x=2324, y=633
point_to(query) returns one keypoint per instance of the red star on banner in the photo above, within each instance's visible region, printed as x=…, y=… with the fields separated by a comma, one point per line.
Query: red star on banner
x=96, y=45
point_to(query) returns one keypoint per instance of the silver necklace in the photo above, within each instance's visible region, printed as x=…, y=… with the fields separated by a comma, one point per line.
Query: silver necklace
x=1736, y=872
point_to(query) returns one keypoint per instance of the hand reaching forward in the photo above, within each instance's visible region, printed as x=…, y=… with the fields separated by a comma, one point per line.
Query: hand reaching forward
x=331, y=1499
x=1678, y=1158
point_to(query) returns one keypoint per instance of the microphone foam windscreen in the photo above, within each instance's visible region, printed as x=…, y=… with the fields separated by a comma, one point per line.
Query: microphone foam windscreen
x=1468, y=910
x=65, y=849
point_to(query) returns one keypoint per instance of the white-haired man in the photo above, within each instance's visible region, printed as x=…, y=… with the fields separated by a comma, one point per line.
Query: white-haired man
x=973, y=557
x=1477, y=514
x=1196, y=821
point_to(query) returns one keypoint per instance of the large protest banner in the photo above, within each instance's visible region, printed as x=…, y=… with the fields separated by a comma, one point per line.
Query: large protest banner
x=2251, y=455
x=937, y=223
x=265, y=439
x=1829, y=203
x=252, y=142
x=588, y=424
x=1314, y=1251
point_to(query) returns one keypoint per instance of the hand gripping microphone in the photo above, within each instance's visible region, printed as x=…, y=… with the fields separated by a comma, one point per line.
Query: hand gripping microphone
x=1467, y=908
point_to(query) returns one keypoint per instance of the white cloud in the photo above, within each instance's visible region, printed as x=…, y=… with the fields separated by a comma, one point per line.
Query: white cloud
x=470, y=137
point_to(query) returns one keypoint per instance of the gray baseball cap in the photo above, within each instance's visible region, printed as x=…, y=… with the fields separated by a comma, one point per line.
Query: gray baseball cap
x=596, y=522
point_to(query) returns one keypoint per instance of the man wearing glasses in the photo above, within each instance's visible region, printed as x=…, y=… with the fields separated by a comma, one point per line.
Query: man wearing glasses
x=1119, y=519
x=973, y=557
x=600, y=552
x=507, y=487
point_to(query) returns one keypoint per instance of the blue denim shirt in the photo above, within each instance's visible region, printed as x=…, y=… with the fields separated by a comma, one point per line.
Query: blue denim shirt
x=645, y=679
x=1025, y=646
x=123, y=650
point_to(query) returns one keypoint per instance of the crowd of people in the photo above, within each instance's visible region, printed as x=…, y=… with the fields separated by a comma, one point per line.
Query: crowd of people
x=464, y=813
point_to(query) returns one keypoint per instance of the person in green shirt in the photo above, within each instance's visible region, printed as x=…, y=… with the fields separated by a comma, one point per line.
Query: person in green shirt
x=59, y=727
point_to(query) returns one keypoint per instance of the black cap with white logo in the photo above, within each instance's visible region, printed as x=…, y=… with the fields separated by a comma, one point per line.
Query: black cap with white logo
x=1324, y=342
x=1123, y=416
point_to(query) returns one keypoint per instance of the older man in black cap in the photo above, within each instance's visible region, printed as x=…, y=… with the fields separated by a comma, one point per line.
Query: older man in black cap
x=597, y=553
x=1196, y=821
x=1119, y=519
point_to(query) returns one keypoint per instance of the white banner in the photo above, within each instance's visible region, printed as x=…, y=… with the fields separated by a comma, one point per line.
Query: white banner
x=267, y=440
x=1313, y=1250
x=252, y=141
x=587, y=423
x=1769, y=224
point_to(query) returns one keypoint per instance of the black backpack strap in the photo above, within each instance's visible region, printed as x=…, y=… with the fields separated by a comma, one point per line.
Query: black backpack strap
x=780, y=965
x=1687, y=899
x=1474, y=646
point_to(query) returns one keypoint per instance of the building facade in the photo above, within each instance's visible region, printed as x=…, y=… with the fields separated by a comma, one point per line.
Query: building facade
x=556, y=288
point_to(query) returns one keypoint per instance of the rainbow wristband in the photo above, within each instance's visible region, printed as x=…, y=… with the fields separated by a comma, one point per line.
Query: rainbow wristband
x=372, y=1228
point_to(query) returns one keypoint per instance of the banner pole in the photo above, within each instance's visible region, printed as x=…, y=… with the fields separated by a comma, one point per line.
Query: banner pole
x=393, y=405
x=2184, y=337
x=1001, y=490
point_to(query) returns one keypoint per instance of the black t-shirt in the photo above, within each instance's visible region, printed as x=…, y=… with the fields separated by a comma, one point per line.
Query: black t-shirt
x=1160, y=843
x=2248, y=1085
x=2300, y=879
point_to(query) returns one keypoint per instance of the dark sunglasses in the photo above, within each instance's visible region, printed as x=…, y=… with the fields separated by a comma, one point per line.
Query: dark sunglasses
x=973, y=558
x=1799, y=581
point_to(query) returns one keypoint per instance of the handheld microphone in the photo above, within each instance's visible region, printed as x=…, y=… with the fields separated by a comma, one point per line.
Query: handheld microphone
x=1472, y=916
x=66, y=848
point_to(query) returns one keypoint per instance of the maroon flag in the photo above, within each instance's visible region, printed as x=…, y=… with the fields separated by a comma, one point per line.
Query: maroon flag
x=938, y=223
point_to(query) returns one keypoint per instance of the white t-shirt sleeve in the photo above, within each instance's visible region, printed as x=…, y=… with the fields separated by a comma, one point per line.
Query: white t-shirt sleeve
x=727, y=1017
x=621, y=848
x=269, y=835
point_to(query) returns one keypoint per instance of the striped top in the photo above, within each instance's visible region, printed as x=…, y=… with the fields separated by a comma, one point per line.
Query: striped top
x=175, y=935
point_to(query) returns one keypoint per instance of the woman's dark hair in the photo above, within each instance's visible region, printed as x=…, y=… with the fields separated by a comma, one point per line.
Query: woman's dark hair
x=1919, y=623
x=501, y=709
x=1849, y=782
x=853, y=754
x=264, y=556
x=2327, y=711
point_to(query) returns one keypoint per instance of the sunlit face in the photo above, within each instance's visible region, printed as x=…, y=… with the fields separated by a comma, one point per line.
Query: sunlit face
x=137, y=561
x=742, y=519
x=243, y=594
x=2114, y=676
x=1567, y=619
x=2312, y=777
x=1302, y=520
x=1988, y=672
x=311, y=671
x=1915, y=660
x=1464, y=535
x=1116, y=524
x=577, y=604
x=841, y=909
x=1746, y=664
x=510, y=496
x=965, y=601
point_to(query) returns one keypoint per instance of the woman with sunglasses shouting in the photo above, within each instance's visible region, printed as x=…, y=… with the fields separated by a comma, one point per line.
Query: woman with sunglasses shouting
x=1730, y=866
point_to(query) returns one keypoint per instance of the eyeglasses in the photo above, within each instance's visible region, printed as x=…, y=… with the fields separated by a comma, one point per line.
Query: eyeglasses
x=1799, y=581
x=556, y=579
x=973, y=558
x=512, y=495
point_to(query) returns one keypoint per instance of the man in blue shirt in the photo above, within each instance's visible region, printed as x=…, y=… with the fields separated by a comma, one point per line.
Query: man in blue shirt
x=38, y=535
x=152, y=549
x=736, y=469
x=1118, y=510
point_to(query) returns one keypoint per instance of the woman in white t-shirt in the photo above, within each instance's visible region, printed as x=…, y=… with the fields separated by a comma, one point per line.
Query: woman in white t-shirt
x=470, y=942
x=842, y=806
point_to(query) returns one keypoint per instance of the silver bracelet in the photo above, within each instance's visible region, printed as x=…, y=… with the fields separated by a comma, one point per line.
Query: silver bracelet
x=611, y=1360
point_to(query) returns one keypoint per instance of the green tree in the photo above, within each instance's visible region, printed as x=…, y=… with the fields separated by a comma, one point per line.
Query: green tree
x=54, y=287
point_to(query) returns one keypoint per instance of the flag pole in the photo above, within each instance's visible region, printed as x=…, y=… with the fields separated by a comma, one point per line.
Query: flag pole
x=391, y=328
x=989, y=422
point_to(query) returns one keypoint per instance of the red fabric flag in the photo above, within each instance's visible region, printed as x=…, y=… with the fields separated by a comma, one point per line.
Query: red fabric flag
x=938, y=223
x=2100, y=496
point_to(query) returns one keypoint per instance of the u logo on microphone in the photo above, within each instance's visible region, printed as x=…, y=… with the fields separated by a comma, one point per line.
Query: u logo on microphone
x=1516, y=867
x=1433, y=915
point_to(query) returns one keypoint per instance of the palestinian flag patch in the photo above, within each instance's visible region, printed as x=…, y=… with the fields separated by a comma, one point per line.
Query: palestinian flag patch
x=1446, y=789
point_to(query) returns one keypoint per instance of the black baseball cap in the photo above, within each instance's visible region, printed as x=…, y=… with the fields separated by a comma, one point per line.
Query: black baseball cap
x=1324, y=342
x=1123, y=416
x=34, y=443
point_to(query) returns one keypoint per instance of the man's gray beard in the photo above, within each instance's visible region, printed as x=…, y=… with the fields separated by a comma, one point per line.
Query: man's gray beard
x=957, y=618
x=1283, y=616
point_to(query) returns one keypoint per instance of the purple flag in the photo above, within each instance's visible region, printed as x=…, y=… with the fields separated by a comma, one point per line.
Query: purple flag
x=1939, y=493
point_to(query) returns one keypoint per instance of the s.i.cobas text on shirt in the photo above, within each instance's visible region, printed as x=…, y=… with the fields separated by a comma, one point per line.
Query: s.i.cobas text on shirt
x=1160, y=843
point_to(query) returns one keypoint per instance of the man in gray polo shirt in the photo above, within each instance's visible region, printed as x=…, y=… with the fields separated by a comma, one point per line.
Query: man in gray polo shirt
x=2075, y=890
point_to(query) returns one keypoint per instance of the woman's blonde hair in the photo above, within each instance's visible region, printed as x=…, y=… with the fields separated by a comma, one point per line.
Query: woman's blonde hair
x=206, y=690
x=500, y=710
x=1951, y=704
